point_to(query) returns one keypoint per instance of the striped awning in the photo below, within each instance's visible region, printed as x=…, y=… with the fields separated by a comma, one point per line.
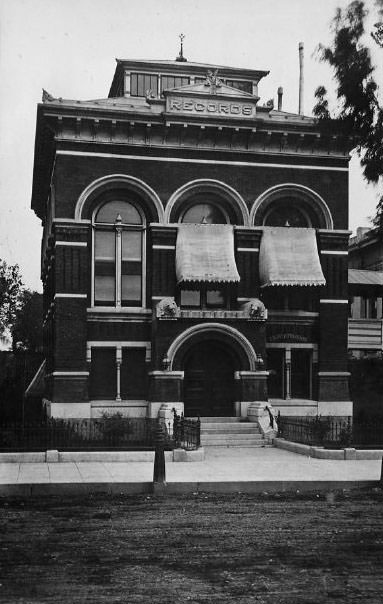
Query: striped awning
x=289, y=256
x=205, y=253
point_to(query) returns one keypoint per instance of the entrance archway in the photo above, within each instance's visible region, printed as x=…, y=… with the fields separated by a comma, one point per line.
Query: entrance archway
x=209, y=385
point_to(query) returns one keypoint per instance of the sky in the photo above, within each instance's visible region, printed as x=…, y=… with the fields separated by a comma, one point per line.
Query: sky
x=69, y=48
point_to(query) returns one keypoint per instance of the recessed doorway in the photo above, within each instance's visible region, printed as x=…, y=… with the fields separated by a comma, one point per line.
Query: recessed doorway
x=209, y=385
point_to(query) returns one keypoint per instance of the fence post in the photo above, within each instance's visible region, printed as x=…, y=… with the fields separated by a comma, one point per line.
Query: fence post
x=159, y=471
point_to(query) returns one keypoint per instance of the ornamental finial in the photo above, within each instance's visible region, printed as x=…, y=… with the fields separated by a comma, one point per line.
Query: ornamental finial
x=181, y=57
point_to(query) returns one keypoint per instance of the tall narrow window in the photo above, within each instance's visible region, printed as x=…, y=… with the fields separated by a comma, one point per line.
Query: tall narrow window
x=141, y=83
x=118, y=255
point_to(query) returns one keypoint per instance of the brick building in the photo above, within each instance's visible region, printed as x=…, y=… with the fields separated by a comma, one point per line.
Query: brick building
x=194, y=251
x=365, y=284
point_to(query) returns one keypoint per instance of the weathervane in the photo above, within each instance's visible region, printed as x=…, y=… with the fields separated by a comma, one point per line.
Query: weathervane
x=181, y=55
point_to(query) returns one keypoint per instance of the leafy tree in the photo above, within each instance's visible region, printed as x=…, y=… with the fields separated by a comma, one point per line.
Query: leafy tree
x=10, y=292
x=27, y=331
x=358, y=110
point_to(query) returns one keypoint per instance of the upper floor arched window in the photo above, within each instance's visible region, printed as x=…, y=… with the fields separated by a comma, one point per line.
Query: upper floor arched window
x=119, y=234
x=204, y=213
x=287, y=213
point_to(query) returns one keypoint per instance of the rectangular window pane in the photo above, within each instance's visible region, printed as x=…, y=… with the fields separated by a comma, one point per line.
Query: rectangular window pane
x=103, y=373
x=190, y=298
x=168, y=82
x=105, y=245
x=131, y=245
x=133, y=374
x=104, y=289
x=215, y=299
x=130, y=290
x=241, y=85
x=140, y=83
x=133, y=84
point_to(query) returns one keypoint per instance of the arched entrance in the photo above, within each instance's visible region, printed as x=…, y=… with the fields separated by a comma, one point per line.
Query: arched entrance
x=209, y=385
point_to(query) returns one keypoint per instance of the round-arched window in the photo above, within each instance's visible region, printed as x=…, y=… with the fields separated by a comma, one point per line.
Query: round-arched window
x=109, y=211
x=118, y=254
x=286, y=213
x=204, y=213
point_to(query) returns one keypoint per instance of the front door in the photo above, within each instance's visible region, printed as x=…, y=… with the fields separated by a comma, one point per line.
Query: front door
x=209, y=381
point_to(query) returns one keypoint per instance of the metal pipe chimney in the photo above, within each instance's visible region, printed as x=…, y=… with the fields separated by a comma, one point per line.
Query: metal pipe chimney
x=301, y=78
x=280, y=95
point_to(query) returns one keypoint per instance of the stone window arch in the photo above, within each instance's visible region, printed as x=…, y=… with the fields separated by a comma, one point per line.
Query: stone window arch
x=291, y=205
x=209, y=199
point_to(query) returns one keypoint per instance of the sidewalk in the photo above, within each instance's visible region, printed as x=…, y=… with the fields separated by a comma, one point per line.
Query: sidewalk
x=223, y=470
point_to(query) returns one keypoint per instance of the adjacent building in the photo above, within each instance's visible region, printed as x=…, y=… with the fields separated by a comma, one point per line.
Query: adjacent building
x=194, y=251
x=366, y=293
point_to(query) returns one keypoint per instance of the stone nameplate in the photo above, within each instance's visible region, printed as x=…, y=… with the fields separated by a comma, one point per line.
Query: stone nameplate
x=203, y=106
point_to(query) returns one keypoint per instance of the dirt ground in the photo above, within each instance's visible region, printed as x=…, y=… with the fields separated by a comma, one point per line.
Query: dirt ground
x=267, y=549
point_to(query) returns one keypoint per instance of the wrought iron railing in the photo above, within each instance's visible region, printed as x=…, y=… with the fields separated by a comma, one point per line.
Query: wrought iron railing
x=109, y=433
x=87, y=434
x=331, y=432
x=186, y=432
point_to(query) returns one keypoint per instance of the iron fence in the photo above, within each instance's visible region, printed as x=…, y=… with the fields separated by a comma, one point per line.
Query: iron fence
x=108, y=433
x=186, y=432
x=331, y=432
x=75, y=435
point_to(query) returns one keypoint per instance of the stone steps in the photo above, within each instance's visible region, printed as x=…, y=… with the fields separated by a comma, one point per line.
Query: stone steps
x=230, y=432
x=213, y=428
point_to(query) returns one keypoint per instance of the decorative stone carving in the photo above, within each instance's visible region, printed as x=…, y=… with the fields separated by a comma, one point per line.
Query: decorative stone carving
x=213, y=80
x=264, y=415
x=167, y=309
x=255, y=309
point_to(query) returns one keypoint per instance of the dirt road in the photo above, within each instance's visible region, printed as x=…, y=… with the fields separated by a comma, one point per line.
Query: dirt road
x=267, y=549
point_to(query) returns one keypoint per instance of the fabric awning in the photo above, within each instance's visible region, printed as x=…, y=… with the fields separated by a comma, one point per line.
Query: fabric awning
x=289, y=256
x=365, y=277
x=205, y=253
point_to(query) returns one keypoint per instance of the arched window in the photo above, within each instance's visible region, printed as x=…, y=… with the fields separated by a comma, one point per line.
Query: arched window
x=118, y=255
x=286, y=213
x=204, y=213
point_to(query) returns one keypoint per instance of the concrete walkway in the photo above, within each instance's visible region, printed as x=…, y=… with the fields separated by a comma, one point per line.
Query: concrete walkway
x=223, y=470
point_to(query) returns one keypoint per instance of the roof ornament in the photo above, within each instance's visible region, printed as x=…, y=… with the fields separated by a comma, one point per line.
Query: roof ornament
x=181, y=57
x=213, y=81
x=47, y=97
x=149, y=94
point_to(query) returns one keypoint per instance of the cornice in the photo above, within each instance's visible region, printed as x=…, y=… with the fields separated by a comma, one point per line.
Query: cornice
x=257, y=136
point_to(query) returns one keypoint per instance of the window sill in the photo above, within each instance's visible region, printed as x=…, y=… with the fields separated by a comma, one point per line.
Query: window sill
x=123, y=310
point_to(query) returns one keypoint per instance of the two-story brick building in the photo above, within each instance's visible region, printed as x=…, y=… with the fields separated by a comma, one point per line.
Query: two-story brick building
x=194, y=249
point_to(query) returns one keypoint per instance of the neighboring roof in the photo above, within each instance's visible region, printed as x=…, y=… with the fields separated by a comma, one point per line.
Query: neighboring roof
x=362, y=277
x=364, y=237
x=289, y=256
x=205, y=254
